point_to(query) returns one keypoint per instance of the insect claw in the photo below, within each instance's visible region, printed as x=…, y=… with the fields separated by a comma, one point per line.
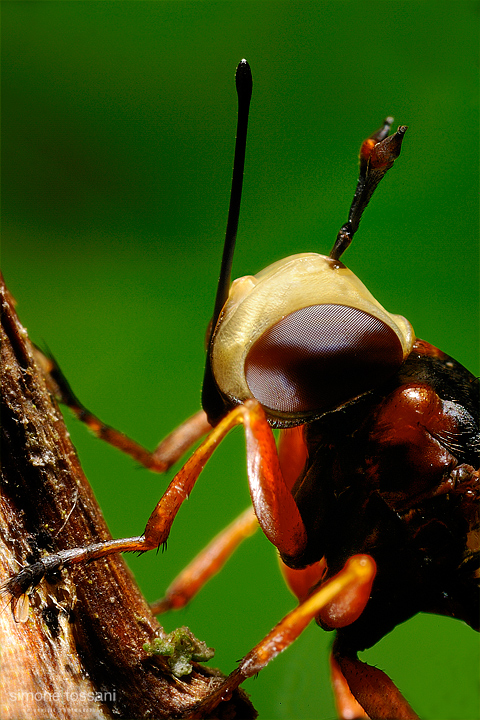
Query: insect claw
x=30, y=576
x=18, y=600
x=161, y=606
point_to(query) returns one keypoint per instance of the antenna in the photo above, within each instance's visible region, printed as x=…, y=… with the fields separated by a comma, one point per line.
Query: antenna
x=377, y=155
x=211, y=399
x=243, y=81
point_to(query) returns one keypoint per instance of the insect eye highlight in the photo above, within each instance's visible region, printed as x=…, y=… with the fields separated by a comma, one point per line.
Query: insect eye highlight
x=319, y=357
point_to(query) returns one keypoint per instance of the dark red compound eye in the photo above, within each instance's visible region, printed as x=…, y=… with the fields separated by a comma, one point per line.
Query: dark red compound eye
x=320, y=356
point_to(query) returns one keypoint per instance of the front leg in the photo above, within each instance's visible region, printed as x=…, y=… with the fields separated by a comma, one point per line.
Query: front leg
x=273, y=503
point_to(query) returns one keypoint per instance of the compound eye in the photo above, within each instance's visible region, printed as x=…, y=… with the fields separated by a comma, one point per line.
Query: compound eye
x=320, y=356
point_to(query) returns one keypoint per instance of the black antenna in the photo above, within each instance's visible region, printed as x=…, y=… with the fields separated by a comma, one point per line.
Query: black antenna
x=211, y=399
x=243, y=81
x=377, y=155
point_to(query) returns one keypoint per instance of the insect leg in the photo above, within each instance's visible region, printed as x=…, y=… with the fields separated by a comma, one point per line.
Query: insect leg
x=273, y=501
x=301, y=581
x=292, y=454
x=275, y=508
x=347, y=707
x=155, y=534
x=161, y=459
x=207, y=563
x=372, y=688
x=357, y=571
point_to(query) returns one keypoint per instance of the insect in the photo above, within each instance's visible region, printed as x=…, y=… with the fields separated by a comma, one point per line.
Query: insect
x=372, y=497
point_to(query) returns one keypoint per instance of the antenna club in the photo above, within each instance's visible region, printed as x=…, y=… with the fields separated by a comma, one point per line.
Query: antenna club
x=385, y=152
x=243, y=80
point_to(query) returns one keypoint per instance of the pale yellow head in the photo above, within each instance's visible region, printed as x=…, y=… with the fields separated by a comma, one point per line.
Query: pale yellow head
x=304, y=336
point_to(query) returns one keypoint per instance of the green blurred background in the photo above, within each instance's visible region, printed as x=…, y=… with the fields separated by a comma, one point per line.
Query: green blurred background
x=118, y=131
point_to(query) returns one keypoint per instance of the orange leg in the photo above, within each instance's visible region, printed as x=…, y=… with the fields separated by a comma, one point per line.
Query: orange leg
x=348, y=606
x=302, y=581
x=359, y=570
x=347, y=707
x=273, y=503
x=161, y=459
x=292, y=454
x=207, y=563
x=358, y=686
x=372, y=689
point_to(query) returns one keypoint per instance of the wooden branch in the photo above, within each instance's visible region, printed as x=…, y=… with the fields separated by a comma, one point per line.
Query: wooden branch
x=80, y=652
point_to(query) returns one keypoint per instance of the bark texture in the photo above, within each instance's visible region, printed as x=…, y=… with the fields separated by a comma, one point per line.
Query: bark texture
x=80, y=652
